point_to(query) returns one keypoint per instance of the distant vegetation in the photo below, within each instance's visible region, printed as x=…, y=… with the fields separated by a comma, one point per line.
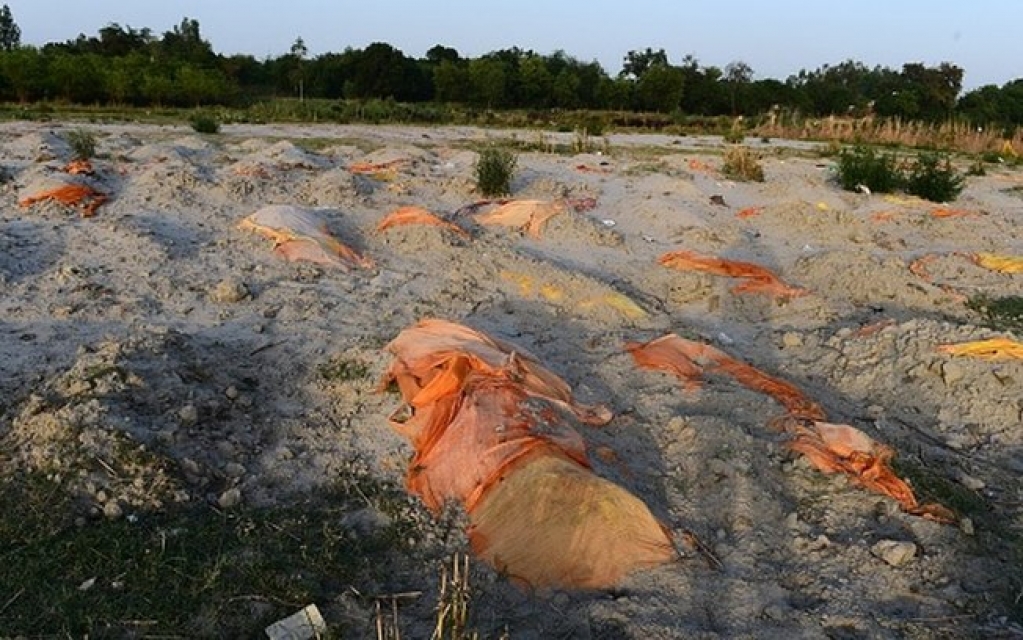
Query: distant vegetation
x=122, y=66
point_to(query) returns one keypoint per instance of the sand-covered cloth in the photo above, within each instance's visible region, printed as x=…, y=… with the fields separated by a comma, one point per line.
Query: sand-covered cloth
x=491, y=430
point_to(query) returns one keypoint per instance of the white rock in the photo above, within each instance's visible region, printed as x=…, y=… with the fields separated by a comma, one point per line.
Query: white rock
x=894, y=552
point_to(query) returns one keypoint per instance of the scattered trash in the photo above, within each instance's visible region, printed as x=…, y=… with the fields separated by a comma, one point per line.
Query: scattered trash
x=80, y=167
x=823, y=206
x=757, y=278
x=416, y=215
x=528, y=215
x=87, y=584
x=581, y=204
x=306, y=624
x=608, y=222
x=718, y=200
x=749, y=212
x=864, y=189
x=829, y=447
x=301, y=235
x=490, y=427
x=990, y=349
x=72, y=195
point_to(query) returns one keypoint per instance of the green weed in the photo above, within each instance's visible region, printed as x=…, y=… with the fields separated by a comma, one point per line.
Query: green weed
x=494, y=170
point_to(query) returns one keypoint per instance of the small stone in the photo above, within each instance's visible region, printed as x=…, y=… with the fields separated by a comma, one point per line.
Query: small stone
x=894, y=552
x=971, y=483
x=366, y=522
x=229, y=290
x=230, y=498
x=966, y=526
x=952, y=373
x=188, y=415
x=231, y=392
x=112, y=510
x=190, y=466
x=791, y=339
x=234, y=470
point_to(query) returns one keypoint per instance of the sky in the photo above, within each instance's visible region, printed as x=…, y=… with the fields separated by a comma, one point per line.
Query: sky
x=776, y=38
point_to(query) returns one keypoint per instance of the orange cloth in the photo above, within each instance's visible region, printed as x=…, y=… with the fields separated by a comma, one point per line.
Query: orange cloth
x=757, y=278
x=301, y=235
x=416, y=215
x=830, y=447
x=491, y=430
x=529, y=215
x=72, y=195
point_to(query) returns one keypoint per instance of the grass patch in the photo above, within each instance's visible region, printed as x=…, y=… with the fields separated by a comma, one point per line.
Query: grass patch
x=192, y=572
x=341, y=370
x=1001, y=314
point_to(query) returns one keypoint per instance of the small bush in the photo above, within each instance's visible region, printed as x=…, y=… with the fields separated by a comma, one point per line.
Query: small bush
x=1002, y=314
x=879, y=172
x=82, y=143
x=742, y=164
x=735, y=136
x=203, y=123
x=494, y=170
x=932, y=177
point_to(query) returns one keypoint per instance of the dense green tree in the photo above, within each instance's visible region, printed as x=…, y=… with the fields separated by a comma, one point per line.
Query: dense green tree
x=24, y=70
x=637, y=63
x=487, y=81
x=451, y=82
x=10, y=33
x=535, y=82
x=660, y=88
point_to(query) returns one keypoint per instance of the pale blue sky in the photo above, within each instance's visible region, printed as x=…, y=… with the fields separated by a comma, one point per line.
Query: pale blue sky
x=777, y=38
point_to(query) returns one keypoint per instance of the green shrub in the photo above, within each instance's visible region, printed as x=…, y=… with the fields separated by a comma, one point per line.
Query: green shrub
x=742, y=164
x=82, y=143
x=494, y=170
x=860, y=165
x=203, y=123
x=735, y=136
x=1002, y=314
x=933, y=178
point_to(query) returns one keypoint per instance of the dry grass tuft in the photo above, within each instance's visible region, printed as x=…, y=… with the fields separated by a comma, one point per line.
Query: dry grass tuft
x=742, y=164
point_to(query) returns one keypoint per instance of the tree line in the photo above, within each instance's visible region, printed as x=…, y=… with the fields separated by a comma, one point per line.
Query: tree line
x=122, y=65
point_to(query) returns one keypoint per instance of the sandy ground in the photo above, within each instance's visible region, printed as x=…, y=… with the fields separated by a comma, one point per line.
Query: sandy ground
x=158, y=322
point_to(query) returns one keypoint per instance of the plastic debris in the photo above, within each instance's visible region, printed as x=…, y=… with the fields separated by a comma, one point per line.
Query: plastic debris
x=492, y=430
x=757, y=278
x=303, y=625
x=73, y=195
x=301, y=234
x=830, y=447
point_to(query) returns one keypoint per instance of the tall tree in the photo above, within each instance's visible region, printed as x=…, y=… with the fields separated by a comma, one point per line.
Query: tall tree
x=10, y=33
x=737, y=74
x=637, y=63
x=298, y=53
